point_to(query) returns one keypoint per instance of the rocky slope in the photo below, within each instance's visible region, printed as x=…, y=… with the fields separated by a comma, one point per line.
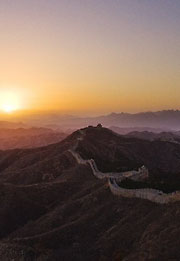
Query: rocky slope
x=53, y=208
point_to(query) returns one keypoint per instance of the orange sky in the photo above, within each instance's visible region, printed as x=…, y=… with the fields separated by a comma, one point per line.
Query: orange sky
x=90, y=56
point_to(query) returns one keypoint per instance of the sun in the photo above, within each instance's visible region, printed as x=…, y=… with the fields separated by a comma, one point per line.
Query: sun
x=9, y=108
x=9, y=102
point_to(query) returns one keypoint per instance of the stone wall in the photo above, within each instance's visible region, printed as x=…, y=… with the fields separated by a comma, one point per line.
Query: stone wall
x=148, y=193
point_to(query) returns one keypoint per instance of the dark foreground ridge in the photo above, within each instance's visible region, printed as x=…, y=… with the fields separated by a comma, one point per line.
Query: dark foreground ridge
x=53, y=208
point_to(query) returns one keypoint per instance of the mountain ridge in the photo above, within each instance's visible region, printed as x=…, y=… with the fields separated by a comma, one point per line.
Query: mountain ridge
x=69, y=214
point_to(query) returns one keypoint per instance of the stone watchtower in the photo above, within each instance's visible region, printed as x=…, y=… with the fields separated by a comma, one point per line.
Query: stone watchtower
x=144, y=172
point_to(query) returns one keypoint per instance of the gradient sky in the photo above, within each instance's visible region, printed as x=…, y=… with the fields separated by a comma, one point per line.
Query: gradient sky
x=91, y=55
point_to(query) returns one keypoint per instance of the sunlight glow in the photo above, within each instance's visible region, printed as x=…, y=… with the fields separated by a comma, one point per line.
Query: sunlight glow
x=9, y=102
x=8, y=108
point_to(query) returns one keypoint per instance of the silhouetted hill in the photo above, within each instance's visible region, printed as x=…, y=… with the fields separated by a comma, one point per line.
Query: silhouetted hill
x=53, y=208
x=112, y=152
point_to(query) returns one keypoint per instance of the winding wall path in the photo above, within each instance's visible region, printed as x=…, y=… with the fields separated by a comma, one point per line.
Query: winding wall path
x=147, y=193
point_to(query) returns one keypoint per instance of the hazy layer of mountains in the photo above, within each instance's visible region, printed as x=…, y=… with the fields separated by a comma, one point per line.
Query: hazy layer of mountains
x=163, y=136
x=28, y=137
x=11, y=125
x=161, y=121
x=166, y=120
x=148, y=134
x=51, y=128
x=53, y=208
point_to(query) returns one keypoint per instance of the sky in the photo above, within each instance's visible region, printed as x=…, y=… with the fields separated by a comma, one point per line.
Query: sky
x=90, y=56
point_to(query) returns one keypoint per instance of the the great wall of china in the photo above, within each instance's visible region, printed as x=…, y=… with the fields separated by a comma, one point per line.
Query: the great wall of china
x=112, y=177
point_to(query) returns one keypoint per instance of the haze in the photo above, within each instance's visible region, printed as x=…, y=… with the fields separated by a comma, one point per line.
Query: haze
x=90, y=56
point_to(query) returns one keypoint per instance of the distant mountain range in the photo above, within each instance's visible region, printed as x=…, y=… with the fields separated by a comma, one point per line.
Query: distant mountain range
x=11, y=125
x=127, y=130
x=163, y=136
x=150, y=134
x=167, y=120
x=164, y=120
x=28, y=137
